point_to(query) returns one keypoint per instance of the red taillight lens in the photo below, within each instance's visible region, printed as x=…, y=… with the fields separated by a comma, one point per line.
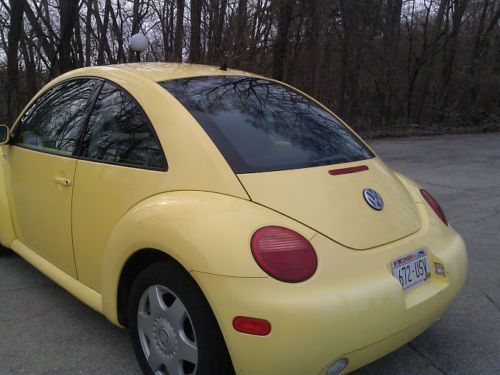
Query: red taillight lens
x=252, y=326
x=434, y=205
x=284, y=254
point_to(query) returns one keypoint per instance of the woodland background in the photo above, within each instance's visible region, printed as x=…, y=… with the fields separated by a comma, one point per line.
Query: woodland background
x=383, y=65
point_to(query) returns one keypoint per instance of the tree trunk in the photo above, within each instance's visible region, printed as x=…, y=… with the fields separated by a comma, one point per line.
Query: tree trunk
x=480, y=44
x=47, y=46
x=195, y=43
x=103, y=31
x=14, y=36
x=179, y=31
x=118, y=31
x=88, y=27
x=392, y=31
x=428, y=68
x=241, y=28
x=312, y=43
x=283, y=9
x=218, y=12
x=78, y=47
x=31, y=73
x=447, y=71
x=68, y=11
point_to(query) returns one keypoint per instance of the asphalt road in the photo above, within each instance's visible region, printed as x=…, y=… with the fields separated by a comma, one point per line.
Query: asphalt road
x=44, y=330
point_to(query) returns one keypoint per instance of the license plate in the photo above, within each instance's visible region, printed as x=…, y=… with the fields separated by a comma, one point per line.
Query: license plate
x=412, y=269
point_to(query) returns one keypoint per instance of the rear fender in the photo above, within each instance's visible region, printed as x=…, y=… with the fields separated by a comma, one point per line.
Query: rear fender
x=412, y=187
x=204, y=232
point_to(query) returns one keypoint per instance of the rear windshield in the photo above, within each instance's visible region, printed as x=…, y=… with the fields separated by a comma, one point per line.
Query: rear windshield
x=261, y=126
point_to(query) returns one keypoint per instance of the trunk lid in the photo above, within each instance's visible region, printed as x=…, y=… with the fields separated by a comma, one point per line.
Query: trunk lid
x=334, y=205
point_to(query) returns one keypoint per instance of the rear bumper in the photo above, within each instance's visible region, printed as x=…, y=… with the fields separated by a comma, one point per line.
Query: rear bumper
x=381, y=348
x=352, y=307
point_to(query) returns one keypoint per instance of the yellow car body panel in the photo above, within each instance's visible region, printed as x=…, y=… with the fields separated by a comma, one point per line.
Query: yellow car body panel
x=314, y=197
x=7, y=233
x=200, y=213
x=40, y=206
x=104, y=192
x=203, y=231
x=351, y=308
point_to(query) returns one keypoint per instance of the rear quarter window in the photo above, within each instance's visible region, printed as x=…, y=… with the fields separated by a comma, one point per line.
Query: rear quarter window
x=259, y=125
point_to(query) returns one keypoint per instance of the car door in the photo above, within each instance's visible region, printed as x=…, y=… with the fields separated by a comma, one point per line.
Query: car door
x=41, y=169
x=121, y=163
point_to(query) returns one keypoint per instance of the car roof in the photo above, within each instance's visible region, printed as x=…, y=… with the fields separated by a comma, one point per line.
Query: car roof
x=157, y=71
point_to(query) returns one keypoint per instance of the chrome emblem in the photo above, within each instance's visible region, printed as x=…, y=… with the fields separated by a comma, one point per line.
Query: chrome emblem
x=373, y=199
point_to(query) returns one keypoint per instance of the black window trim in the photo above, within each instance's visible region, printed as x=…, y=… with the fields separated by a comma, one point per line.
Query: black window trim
x=85, y=117
x=348, y=129
x=77, y=153
x=88, y=113
x=79, y=150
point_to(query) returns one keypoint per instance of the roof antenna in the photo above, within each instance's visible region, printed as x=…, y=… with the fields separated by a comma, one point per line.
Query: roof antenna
x=223, y=67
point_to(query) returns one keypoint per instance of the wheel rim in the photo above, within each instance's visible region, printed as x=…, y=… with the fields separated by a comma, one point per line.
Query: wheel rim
x=166, y=332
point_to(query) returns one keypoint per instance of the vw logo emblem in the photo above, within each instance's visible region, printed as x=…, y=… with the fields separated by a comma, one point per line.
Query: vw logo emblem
x=373, y=199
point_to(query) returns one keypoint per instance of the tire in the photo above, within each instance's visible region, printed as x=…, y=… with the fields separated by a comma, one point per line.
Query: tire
x=172, y=327
x=4, y=250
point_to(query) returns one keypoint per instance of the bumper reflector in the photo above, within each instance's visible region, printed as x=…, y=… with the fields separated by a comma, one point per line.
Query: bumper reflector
x=252, y=326
x=338, y=366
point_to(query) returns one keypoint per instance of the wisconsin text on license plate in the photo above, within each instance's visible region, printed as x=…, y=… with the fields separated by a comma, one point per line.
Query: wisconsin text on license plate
x=411, y=269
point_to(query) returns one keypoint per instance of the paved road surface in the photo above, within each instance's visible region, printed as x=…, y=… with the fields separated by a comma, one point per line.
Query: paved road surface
x=44, y=330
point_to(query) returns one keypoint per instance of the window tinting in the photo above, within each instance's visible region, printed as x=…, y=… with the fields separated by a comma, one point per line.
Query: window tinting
x=261, y=126
x=119, y=132
x=54, y=121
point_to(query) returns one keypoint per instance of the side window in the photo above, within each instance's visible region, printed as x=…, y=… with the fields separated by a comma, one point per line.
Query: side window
x=54, y=121
x=119, y=132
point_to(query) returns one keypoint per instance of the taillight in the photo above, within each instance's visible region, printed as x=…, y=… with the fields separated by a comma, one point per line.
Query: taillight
x=284, y=254
x=434, y=205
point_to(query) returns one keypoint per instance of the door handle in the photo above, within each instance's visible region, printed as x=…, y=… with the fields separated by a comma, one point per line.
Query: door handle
x=62, y=181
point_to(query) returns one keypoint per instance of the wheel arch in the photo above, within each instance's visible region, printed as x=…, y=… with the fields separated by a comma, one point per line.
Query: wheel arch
x=201, y=231
x=137, y=262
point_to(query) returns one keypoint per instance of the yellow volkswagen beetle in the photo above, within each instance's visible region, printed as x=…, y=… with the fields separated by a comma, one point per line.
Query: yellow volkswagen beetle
x=231, y=222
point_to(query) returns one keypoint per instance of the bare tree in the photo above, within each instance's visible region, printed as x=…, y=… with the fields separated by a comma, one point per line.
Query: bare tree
x=283, y=9
x=428, y=71
x=68, y=13
x=457, y=9
x=195, y=43
x=15, y=33
x=179, y=31
x=378, y=63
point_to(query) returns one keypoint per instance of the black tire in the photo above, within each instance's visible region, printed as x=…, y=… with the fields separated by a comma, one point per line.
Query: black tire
x=4, y=250
x=166, y=339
